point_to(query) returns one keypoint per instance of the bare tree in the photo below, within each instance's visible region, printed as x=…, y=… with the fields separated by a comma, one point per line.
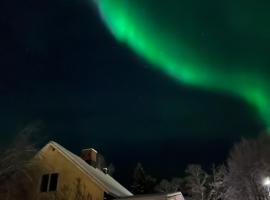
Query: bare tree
x=196, y=182
x=15, y=159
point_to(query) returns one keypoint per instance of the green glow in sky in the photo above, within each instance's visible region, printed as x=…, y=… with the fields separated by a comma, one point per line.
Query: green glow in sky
x=216, y=45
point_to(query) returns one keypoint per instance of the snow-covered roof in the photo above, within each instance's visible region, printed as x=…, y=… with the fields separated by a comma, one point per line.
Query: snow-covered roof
x=166, y=196
x=109, y=184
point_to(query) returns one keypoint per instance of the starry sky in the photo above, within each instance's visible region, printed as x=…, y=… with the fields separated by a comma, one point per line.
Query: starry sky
x=92, y=73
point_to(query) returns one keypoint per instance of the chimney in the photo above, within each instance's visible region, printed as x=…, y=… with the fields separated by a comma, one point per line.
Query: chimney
x=90, y=156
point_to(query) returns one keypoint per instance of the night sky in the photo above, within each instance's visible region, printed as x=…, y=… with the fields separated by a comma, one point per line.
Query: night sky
x=94, y=74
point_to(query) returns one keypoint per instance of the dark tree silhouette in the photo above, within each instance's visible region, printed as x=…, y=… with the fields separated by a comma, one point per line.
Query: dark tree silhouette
x=165, y=186
x=143, y=183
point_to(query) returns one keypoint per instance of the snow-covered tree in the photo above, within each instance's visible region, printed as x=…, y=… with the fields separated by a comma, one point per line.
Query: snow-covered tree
x=248, y=165
x=196, y=182
x=216, y=184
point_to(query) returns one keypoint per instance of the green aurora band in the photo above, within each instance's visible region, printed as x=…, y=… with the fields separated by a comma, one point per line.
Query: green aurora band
x=215, y=45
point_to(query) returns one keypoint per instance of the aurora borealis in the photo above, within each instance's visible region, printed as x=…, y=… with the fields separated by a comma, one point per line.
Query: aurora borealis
x=218, y=46
x=113, y=79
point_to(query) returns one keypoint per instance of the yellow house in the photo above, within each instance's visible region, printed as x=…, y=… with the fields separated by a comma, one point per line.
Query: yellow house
x=56, y=173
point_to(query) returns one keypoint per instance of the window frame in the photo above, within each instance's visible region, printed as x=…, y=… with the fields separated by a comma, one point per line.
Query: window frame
x=48, y=185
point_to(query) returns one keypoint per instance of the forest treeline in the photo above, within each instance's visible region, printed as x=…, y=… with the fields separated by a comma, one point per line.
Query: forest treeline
x=241, y=177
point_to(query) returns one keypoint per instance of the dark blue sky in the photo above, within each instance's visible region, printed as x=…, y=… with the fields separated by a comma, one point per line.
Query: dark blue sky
x=60, y=65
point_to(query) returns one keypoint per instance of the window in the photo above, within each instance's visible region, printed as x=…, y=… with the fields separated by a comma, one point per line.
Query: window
x=49, y=182
x=44, y=183
x=53, y=182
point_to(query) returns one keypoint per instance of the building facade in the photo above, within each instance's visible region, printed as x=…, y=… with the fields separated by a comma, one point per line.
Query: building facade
x=57, y=174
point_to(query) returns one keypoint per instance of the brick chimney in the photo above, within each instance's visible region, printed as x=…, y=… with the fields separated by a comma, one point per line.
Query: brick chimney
x=90, y=156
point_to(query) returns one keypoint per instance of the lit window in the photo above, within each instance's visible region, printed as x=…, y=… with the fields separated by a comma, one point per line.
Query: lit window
x=49, y=182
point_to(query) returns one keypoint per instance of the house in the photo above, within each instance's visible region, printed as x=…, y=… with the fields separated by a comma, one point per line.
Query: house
x=55, y=173
x=61, y=174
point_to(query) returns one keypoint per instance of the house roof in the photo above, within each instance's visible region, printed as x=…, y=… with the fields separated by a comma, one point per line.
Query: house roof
x=162, y=196
x=109, y=184
x=166, y=196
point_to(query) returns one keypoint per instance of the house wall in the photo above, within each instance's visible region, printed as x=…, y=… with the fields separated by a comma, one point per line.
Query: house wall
x=72, y=182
